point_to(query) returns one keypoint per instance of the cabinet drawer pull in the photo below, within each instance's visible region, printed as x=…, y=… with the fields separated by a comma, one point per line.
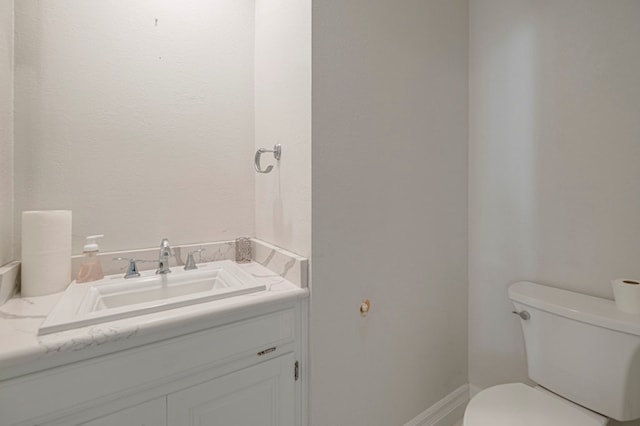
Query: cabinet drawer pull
x=266, y=351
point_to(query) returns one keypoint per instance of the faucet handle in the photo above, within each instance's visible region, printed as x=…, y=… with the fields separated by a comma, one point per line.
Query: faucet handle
x=191, y=263
x=132, y=269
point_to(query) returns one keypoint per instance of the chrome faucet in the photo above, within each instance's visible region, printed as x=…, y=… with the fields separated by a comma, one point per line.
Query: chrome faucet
x=163, y=259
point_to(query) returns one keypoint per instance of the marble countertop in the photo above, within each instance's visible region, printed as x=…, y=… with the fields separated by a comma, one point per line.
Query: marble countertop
x=22, y=351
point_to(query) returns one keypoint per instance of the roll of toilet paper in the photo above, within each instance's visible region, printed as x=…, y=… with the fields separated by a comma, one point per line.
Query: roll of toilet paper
x=626, y=293
x=46, y=251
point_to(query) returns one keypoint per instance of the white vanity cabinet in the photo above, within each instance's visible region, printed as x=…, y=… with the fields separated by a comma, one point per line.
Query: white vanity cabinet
x=151, y=413
x=242, y=372
x=263, y=394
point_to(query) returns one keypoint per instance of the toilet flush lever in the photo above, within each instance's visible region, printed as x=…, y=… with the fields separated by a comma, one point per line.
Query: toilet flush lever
x=522, y=314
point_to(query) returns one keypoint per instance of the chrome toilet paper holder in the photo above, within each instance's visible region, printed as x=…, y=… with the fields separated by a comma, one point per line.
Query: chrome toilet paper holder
x=277, y=153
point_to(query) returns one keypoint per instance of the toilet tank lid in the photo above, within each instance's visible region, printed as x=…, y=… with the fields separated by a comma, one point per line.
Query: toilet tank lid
x=580, y=307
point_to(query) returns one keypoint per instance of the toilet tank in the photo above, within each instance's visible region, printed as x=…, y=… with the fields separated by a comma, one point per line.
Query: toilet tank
x=581, y=348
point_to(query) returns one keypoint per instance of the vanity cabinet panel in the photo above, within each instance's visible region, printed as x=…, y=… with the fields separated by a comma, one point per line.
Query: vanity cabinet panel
x=263, y=394
x=239, y=373
x=151, y=413
x=147, y=366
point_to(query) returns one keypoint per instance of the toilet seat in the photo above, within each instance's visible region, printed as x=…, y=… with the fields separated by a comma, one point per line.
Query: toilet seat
x=519, y=404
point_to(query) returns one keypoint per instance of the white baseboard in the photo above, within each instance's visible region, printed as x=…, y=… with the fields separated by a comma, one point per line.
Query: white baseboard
x=473, y=390
x=445, y=412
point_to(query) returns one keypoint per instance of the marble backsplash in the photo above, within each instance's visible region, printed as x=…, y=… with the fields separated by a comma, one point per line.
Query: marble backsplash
x=286, y=264
x=148, y=258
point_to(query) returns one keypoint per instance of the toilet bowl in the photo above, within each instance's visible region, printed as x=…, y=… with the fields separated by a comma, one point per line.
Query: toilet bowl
x=516, y=404
x=582, y=352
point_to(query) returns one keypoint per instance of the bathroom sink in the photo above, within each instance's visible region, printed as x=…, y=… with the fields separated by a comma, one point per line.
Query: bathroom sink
x=115, y=298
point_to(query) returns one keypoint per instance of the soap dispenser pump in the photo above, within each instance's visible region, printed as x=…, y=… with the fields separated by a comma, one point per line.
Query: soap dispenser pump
x=90, y=269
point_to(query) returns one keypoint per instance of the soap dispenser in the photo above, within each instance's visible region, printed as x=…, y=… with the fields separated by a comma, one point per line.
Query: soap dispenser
x=90, y=269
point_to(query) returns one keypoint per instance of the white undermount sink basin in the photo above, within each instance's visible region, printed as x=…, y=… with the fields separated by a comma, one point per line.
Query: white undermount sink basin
x=115, y=298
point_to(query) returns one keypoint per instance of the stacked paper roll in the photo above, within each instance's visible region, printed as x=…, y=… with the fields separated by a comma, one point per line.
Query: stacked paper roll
x=46, y=251
x=626, y=293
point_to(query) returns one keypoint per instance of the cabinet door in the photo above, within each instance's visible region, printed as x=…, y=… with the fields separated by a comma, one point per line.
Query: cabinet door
x=151, y=413
x=263, y=394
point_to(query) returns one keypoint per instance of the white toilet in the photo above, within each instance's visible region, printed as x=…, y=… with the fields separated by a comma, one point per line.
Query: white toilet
x=583, y=353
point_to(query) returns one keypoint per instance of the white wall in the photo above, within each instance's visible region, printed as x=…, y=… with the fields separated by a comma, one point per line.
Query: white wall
x=138, y=116
x=283, y=115
x=6, y=131
x=389, y=208
x=554, y=148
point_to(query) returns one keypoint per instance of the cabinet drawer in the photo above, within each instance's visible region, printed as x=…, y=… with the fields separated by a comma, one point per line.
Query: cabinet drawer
x=91, y=382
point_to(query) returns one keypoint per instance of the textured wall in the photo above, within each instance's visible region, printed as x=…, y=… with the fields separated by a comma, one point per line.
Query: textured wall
x=6, y=131
x=389, y=208
x=554, y=148
x=138, y=116
x=283, y=115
